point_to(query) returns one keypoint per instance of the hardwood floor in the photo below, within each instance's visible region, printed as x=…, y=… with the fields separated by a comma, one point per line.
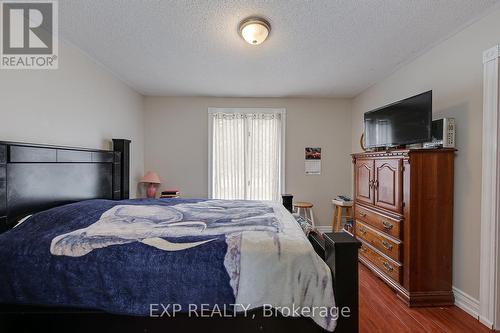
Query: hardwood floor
x=382, y=311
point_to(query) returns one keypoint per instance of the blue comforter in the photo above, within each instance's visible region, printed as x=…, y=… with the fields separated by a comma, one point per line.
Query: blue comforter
x=124, y=256
x=111, y=278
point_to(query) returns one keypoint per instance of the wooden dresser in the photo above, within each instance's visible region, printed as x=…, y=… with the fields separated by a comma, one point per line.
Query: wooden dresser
x=403, y=215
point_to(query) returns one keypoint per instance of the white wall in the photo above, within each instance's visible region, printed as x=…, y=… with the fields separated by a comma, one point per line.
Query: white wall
x=80, y=104
x=453, y=70
x=176, y=144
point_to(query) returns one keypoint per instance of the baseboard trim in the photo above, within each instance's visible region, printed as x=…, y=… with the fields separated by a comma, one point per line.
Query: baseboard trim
x=324, y=228
x=486, y=322
x=466, y=302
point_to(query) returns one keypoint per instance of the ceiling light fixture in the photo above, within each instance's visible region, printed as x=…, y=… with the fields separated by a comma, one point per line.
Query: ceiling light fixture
x=254, y=30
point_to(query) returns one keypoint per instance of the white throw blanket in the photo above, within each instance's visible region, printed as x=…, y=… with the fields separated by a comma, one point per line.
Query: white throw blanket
x=285, y=271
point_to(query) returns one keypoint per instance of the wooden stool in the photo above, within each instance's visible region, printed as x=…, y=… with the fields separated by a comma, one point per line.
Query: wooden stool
x=306, y=209
x=338, y=207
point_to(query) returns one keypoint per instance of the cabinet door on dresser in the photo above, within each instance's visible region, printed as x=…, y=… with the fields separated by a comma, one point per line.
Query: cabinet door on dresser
x=388, y=186
x=364, y=180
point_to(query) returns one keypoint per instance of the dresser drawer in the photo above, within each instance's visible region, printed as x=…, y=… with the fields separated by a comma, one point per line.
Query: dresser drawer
x=386, y=265
x=381, y=222
x=386, y=245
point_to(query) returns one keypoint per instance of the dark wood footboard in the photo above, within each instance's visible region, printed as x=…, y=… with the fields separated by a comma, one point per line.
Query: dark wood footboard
x=340, y=252
x=341, y=255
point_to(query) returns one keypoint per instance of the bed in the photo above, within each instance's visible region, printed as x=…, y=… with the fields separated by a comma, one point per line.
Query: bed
x=91, y=259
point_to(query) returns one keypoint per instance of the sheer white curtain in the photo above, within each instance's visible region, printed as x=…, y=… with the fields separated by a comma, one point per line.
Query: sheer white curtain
x=246, y=153
x=228, y=156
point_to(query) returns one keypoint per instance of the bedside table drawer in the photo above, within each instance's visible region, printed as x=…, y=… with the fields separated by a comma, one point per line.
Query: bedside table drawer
x=386, y=245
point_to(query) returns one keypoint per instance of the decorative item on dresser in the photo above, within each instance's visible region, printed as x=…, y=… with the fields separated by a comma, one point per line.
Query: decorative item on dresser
x=403, y=212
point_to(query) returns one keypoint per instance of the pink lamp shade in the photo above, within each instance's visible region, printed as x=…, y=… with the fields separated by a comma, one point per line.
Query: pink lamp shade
x=153, y=179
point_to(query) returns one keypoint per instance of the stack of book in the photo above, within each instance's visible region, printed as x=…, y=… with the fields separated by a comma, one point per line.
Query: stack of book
x=170, y=193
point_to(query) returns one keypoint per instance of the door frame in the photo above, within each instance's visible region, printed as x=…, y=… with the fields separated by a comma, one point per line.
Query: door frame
x=490, y=192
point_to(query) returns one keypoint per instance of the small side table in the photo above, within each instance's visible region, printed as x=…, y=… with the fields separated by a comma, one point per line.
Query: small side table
x=306, y=209
x=338, y=213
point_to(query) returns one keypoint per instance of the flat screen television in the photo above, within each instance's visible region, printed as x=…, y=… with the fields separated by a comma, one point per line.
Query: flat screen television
x=401, y=123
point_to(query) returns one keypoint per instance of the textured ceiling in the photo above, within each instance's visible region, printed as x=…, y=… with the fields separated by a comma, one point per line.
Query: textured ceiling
x=333, y=48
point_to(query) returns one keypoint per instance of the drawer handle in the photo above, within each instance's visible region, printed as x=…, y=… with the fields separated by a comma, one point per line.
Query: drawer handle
x=387, y=245
x=387, y=266
x=387, y=225
x=362, y=230
x=361, y=213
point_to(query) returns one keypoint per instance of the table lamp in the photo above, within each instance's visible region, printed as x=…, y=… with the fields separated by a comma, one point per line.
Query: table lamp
x=153, y=179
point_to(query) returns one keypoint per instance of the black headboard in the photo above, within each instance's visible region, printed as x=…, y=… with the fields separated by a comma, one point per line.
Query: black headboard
x=36, y=177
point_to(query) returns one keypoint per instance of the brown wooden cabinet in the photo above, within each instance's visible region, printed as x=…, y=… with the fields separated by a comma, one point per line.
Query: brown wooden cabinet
x=403, y=215
x=364, y=181
x=387, y=187
x=379, y=183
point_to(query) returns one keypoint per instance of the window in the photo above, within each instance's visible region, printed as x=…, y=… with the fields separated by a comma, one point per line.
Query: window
x=246, y=153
